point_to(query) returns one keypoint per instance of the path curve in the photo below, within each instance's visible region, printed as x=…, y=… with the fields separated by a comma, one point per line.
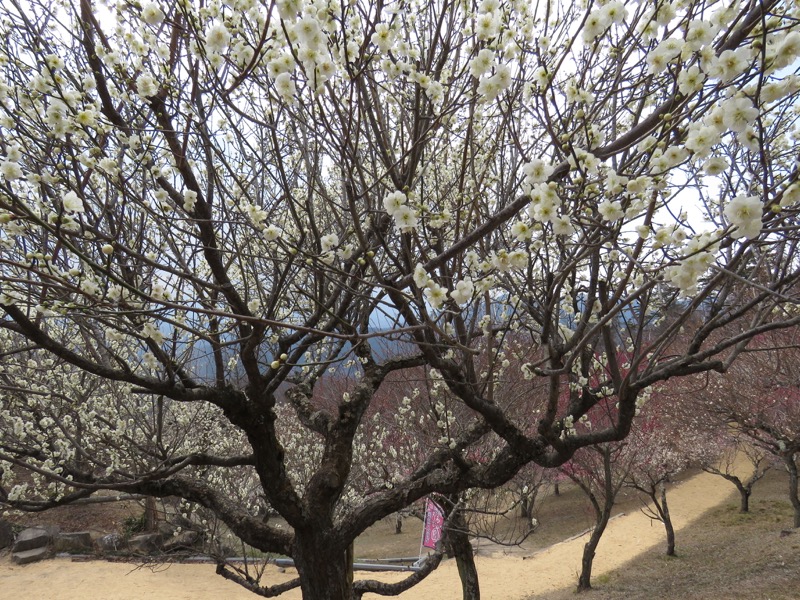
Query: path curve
x=501, y=577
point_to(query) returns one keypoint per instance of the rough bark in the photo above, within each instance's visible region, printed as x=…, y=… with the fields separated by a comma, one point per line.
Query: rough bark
x=461, y=549
x=745, y=488
x=744, y=498
x=602, y=516
x=325, y=568
x=656, y=491
x=667, y=521
x=589, y=549
x=394, y=589
x=150, y=514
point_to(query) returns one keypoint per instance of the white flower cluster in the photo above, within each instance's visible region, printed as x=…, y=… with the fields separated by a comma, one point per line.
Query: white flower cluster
x=598, y=22
x=313, y=51
x=487, y=20
x=405, y=217
x=151, y=331
x=436, y=295
x=745, y=213
x=698, y=255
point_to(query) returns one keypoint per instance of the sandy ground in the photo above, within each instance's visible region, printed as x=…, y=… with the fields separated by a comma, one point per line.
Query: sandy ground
x=502, y=577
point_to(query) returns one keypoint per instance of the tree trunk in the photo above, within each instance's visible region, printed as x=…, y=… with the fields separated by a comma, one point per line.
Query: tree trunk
x=791, y=466
x=744, y=500
x=325, y=569
x=461, y=549
x=667, y=521
x=602, y=516
x=150, y=514
x=526, y=508
x=585, y=579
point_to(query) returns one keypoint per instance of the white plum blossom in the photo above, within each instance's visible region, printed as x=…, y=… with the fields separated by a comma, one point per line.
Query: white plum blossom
x=463, y=291
x=435, y=294
x=405, y=218
x=486, y=26
x=615, y=12
x=596, y=24
x=149, y=330
x=700, y=33
x=611, y=210
x=738, y=113
x=662, y=237
x=383, y=37
x=421, y=277
x=791, y=195
x=285, y=86
x=663, y=54
x=745, y=213
x=152, y=14
x=787, y=50
x=562, y=226
x=730, y=64
x=146, y=85
x=272, y=233
x=308, y=32
x=10, y=170
x=503, y=261
x=716, y=165
x=537, y=171
x=394, y=201
x=690, y=80
x=283, y=63
x=698, y=256
x=482, y=63
x=328, y=242
x=189, y=200
x=522, y=231
x=72, y=203
x=217, y=38
x=701, y=139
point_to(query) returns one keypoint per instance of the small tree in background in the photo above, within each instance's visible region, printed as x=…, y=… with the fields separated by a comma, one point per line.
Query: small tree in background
x=662, y=445
x=760, y=398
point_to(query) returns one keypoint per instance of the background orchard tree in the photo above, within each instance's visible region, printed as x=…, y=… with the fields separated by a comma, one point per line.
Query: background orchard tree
x=723, y=447
x=215, y=205
x=761, y=400
x=600, y=472
x=662, y=447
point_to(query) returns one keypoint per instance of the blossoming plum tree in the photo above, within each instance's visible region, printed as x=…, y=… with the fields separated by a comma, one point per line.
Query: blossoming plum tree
x=211, y=205
x=760, y=401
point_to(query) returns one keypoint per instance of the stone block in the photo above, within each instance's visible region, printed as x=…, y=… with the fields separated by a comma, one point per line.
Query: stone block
x=78, y=542
x=144, y=543
x=33, y=537
x=112, y=543
x=6, y=534
x=183, y=541
x=28, y=556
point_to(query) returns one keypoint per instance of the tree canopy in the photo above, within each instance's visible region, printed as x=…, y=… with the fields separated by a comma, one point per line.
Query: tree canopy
x=212, y=214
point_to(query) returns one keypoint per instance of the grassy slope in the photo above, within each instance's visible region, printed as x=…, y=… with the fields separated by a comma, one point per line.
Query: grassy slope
x=724, y=555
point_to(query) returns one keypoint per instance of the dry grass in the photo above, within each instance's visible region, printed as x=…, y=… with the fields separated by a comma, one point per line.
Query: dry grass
x=724, y=555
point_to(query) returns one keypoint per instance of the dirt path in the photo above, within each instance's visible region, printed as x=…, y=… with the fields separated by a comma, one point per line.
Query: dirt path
x=503, y=577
